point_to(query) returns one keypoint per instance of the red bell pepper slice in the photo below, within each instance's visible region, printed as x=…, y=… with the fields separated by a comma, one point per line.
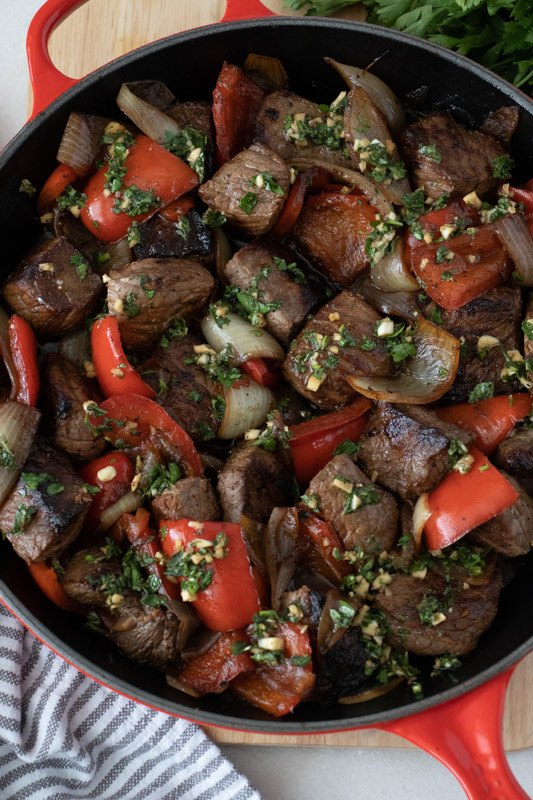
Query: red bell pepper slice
x=147, y=543
x=324, y=542
x=231, y=599
x=46, y=579
x=177, y=209
x=23, y=347
x=525, y=196
x=113, y=370
x=492, y=420
x=278, y=689
x=111, y=488
x=313, y=442
x=149, y=167
x=212, y=671
x=461, y=503
x=480, y=263
x=236, y=101
x=455, y=213
x=55, y=185
x=145, y=416
x=306, y=182
x=261, y=372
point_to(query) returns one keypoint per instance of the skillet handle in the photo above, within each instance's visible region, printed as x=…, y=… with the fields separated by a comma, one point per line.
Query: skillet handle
x=48, y=82
x=466, y=736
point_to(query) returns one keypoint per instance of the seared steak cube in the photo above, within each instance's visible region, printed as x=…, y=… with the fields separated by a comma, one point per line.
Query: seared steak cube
x=268, y=270
x=446, y=158
x=250, y=190
x=45, y=511
x=64, y=391
x=361, y=513
x=406, y=447
x=161, y=238
x=189, y=498
x=53, y=288
x=337, y=342
x=515, y=454
x=88, y=573
x=197, y=114
x=511, y=532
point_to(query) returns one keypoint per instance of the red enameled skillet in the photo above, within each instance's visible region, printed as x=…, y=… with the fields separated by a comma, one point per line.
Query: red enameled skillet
x=459, y=721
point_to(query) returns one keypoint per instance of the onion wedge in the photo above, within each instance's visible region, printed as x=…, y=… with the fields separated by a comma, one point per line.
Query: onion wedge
x=514, y=233
x=283, y=551
x=424, y=378
x=126, y=504
x=245, y=341
x=247, y=406
x=399, y=304
x=81, y=141
x=149, y=119
x=381, y=95
x=18, y=426
x=391, y=273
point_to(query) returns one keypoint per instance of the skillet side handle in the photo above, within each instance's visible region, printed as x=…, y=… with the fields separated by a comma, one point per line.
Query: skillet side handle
x=47, y=82
x=245, y=9
x=466, y=736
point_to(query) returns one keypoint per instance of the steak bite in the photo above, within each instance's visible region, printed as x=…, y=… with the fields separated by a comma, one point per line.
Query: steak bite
x=87, y=572
x=361, y=513
x=53, y=288
x=496, y=314
x=64, y=390
x=197, y=114
x=337, y=342
x=433, y=616
x=511, y=532
x=252, y=482
x=406, y=446
x=515, y=454
x=446, y=158
x=146, y=296
x=283, y=120
x=279, y=282
x=189, y=238
x=189, y=498
x=250, y=190
x=45, y=511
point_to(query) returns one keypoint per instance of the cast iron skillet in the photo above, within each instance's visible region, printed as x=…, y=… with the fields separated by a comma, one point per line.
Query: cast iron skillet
x=463, y=733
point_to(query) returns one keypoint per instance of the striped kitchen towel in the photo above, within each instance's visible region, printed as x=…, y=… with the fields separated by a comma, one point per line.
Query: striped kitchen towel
x=65, y=737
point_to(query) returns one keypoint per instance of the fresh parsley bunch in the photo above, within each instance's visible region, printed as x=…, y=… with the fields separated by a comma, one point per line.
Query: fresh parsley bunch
x=497, y=33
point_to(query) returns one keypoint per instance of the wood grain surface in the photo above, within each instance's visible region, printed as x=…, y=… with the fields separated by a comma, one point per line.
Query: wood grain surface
x=102, y=30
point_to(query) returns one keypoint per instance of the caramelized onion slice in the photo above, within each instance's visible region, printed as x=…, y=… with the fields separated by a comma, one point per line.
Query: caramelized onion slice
x=381, y=95
x=148, y=118
x=391, y=273
x=126, y=504
x=514, y=233
x=245, y=341
x=421, y=514
x=371, y=694
x=81, y=141
x=247, y=406
x=282, y=551
x=269, y=72
x=399, y=304
x=425, y=377
x=18, y=426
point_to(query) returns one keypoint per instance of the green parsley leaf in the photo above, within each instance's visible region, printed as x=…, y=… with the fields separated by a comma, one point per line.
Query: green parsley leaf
x=82, y=266
x=26, y=187
x=213, y=219
x=248, y=202
x=502, y=167
x=430, y=151
x=7, y=458
x=481, y=391
x=347, y=447
x=527, y=328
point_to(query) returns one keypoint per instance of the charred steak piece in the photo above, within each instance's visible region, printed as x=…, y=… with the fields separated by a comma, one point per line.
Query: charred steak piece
x=432, y=616
x=407, y=447
x=250, y=190
x=184, y=390
x=146, y=296
x=87, y=575
x=511, y=532
x=502, y=123
x=277, y=127
x=189, y=498
x=50, y=292
x=446, y=158
x=515, y=454
x=497, y=314
x=361, y=513
x=64, y=391
x=272, y=273
x=252, y=483
x=196, y=114
x=338, y=341
x=188, y=238
x=46, y=509
x=528, y=333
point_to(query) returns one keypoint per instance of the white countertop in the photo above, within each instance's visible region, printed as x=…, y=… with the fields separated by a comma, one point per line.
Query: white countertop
x=279, y=773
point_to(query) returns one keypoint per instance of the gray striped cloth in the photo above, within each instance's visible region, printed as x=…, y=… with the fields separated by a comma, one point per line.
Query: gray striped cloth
x=65, y=737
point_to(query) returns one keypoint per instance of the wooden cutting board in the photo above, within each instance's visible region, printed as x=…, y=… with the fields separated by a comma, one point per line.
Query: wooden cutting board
x=100, y=31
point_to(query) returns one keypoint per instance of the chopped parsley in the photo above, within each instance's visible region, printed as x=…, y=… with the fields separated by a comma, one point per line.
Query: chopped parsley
x=456, y=451
x=204, y=431
x=400, y=344
x=430, y=151
x=527, y=328
x=414, y=206
x=248, y=202
x=502, y=167
x=447, y=275
x=176, y=330
x=144, y=281
x=444, y=663
x=131, y=308
x=161, y=478
x=383, y=168
x=183, y=227
x=195, y=396
x=481, y=391
x=188, y=144
x=33, y=480
x=192, y=564
x=442, y=255
x=134, y=201
x=327, y=130
x=358, y=495
x=270, y=437
x=133, y=237
x=266, y=181
x=213, y=219
x=88, y=487
x=81, y=265
x=23, y=516
x=343, y=616
x=219, y=407
x=250, y=303
x=7, y=458
x=429, y=607
x=381, y=238
x=26, y=187
x=291, y=269
x=71, y=199
x=120, y=142
x=219, y=366
x=347, y=447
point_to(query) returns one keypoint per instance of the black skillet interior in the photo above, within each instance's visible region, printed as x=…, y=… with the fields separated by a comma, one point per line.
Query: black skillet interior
x=189, y=64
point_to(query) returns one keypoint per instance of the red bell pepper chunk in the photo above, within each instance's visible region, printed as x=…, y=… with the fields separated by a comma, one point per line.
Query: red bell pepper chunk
x=277, y=689
x=147, y=543
x=455, y=213
x=525, y=196
x=313, y=442
x=212, y=671
x=309, y=181
x=46, y=579
x=113, y=370
x=177, y=209
x=231, y=599
x=111, y=487
x=146, y=416
x=55, y=185
x=236, y=101
x=479, y=264
x=23, y=347
x=324, y=542
x=149, y=167
x=492, y=420
x=261, y=372
x=461, y=503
